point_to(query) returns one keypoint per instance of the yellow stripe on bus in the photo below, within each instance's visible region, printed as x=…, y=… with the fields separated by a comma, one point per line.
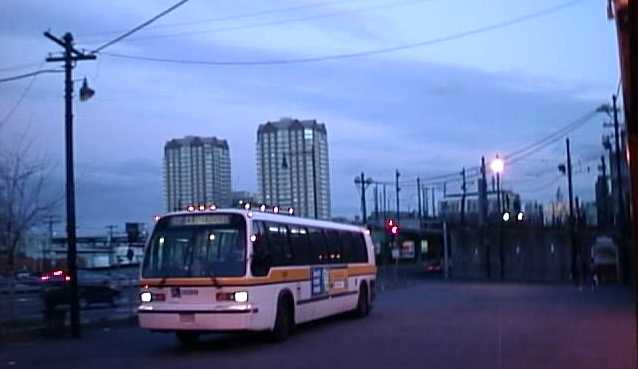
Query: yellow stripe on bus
x=276, y=275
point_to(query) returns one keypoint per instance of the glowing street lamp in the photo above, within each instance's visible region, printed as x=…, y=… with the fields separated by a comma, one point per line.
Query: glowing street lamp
x=497, y=165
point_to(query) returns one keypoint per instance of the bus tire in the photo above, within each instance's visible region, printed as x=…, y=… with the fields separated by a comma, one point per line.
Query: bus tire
x=284, y=323
x=363, y=302
x=187, y=338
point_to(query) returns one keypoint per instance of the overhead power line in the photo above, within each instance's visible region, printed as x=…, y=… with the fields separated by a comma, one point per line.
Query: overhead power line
x=227, y=18
x=23, y=95
x=511, y=158
x=550, y=139
x=386, y=5
x=135, y=29
x=20, y=66
x=413, y=45
x=31, y=74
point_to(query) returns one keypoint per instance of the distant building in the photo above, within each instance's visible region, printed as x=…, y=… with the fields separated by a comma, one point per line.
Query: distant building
x=242, y=196
x=196, y=171
x=293, y=167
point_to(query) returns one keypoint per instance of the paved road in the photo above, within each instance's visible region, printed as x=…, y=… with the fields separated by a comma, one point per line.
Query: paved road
x=29, y=306
x=432, y=324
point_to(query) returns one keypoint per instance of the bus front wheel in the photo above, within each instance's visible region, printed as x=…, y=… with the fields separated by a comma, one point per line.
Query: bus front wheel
x=283, y=321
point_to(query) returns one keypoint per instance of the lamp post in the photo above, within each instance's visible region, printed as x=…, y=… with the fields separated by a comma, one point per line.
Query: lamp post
x=497, y=166
x=70, y=57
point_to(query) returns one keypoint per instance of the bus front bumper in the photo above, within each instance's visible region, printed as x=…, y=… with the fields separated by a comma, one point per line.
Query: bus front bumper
x=237, y=318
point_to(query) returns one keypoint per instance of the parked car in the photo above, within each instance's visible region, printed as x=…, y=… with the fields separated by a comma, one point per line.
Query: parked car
x=604, y=259
x=92, y=288
x=432, y=265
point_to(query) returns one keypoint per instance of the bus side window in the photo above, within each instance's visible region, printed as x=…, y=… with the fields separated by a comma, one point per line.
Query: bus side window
x=317, y=246
x=335, y=251
x=360, y=252
x=262, y=258
x=347, y=245
x=282, y=254
x=299, y=245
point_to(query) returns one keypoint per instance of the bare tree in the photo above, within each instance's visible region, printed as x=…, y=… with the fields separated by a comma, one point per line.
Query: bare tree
x=23, y=199
x=24, y=203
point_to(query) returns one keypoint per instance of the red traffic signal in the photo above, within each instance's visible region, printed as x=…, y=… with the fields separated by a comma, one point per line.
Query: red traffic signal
x=392, y=227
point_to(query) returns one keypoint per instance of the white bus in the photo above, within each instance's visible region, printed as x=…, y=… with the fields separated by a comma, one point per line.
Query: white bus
x=245, y=270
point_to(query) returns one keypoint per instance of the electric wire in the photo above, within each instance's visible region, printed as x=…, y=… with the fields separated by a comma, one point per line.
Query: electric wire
x=227, y=18
x=31, y=74
x=388, y=5
x=413, y=45
x=139, y=27
x=23, y=95
x=20, y=66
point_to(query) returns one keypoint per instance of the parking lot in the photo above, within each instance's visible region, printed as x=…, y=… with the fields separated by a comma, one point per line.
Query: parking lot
x=429, y=324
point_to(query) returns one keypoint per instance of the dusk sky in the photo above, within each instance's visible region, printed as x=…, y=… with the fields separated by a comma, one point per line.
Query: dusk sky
x=426, y=111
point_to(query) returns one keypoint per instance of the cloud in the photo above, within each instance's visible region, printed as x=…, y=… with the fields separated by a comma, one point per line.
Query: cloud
x=382, y=113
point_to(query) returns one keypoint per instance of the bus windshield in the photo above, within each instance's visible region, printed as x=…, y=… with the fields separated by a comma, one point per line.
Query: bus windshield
x=197, y=246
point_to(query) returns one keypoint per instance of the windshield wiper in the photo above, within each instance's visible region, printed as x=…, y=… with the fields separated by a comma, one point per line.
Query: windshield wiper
x=210, y=271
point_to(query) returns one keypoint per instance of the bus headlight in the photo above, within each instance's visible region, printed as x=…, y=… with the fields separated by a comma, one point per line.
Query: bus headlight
x=146, y=297
x=241, y=296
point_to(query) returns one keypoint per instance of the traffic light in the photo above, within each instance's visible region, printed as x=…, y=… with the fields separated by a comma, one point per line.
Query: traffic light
x=392, y=227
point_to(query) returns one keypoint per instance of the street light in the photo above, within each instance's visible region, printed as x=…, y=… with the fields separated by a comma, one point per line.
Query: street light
x=497, y=165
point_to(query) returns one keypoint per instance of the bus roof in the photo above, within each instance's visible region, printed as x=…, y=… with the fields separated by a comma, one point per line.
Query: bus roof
x=268, y=216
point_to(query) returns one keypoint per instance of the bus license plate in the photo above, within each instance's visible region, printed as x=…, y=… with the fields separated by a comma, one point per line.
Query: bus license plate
x=187, y=318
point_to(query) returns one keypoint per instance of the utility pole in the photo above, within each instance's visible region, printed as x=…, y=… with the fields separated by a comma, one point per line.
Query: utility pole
x=605, y=206
x=498, y=194
x=363, y=182
x=418, y=189
x=51, y=220
x=433, y=202
x=376, y=201
x=483, y=209
x=70, y=57
x=363, y=199
x=620, y=215
x=111, y=228
x=385, y=203
x=482, y=190
x=398, y=189
x=572, y=236
x=427, y=203
x=463, y=188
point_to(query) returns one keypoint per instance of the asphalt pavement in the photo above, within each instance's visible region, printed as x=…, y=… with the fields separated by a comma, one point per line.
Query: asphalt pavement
x=432, y=324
